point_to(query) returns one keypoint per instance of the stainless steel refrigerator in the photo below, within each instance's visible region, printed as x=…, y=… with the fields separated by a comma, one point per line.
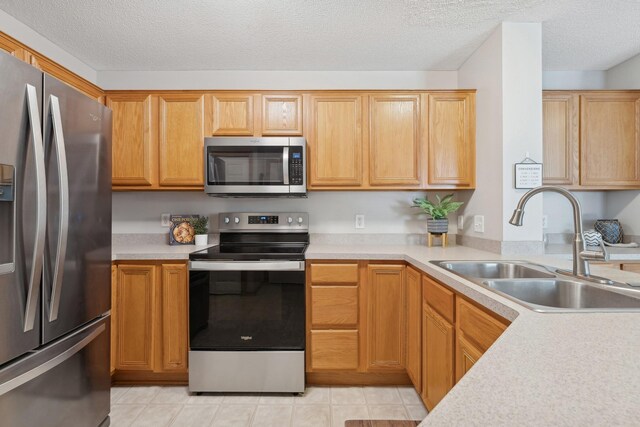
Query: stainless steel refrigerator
x=55, y=251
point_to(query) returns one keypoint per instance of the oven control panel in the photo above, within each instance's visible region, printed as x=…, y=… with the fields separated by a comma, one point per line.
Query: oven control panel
x=263, y=222
x=263, y=219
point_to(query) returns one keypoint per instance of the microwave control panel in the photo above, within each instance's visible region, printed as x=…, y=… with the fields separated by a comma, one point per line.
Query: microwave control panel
x=296, y=169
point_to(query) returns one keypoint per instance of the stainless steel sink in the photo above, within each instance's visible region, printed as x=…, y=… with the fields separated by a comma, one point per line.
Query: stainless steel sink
x=550, y=294
x=536, y=287
x=495, y=270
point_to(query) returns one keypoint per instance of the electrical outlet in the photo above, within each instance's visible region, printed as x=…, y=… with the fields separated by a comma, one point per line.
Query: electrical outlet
x=359, y=221
x=545, y=221
x=478, y=223
x=460, y=222
x=165, y=220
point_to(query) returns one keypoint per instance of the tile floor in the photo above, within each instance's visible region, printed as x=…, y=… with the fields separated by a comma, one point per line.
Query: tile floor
x=319, y=406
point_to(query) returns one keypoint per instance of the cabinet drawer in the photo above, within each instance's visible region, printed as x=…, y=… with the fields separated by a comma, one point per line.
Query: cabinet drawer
x=335, y=274
x=477, y=326
x=334, y=305
x=634, y=268
x=334, y=349
x=438, y=297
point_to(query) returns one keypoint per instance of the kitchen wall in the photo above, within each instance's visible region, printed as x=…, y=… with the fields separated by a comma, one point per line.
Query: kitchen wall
x=625, y=205
x=509, y=124
x=277, y=80
x=584, y=80
x=560, y=215
x=329, y=211
x=625, y=75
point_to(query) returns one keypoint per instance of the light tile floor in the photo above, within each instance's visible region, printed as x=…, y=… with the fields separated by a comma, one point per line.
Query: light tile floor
x=319, y=406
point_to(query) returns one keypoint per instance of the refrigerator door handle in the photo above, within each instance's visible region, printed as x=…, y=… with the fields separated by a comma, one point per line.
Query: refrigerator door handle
x=33, y=293
x=63, y=218
x=74, y=344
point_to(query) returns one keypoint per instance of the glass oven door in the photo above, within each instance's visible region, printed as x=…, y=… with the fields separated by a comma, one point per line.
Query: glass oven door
x=235, y=309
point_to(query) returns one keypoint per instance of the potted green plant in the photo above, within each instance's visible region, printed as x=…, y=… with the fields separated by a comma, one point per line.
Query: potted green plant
x=439, y=223
x=200, y=228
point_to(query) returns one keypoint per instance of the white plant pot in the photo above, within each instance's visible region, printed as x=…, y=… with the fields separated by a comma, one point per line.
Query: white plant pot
x=202, y=239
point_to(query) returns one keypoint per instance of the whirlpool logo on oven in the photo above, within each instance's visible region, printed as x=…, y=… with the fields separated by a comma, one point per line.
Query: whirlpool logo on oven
x=245, y=338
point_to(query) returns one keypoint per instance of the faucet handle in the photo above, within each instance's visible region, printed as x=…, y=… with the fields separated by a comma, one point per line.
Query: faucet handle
x=605, y=251
x=602, y=255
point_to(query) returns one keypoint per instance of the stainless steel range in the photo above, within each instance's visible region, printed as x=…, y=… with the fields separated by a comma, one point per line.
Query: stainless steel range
x=247, y=306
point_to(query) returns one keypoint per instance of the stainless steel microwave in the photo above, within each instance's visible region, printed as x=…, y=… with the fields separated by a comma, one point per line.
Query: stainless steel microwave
x=265, y=167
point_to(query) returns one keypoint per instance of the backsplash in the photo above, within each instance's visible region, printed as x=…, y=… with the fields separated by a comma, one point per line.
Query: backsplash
x=330, y=212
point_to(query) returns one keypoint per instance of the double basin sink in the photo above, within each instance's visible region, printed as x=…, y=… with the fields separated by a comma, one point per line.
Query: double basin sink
x=539, y=289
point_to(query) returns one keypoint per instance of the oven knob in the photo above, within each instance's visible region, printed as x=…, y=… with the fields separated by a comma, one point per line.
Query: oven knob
x=300, y=220
x=237, y=220
x=226, y=220
x=289, y=220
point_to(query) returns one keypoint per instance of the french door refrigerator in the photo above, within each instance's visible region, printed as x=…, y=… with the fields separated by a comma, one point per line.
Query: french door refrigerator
x=55, y=251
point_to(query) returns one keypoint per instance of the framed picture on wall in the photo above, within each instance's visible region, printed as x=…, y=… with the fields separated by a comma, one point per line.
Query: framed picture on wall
x=528, y=175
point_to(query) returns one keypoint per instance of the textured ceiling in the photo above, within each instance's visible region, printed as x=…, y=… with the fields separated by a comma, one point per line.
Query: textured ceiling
x=324, y=34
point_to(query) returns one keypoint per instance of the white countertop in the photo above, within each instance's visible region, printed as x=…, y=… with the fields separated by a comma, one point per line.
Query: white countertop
x=546, y=368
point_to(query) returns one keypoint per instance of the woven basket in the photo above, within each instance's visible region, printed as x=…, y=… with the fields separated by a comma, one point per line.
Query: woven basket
x=610, y=229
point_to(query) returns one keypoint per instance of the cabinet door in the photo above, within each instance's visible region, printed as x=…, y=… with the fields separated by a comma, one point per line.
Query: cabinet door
x=281, y=115
x=181, y=134
x=232, y=114
x=438, y=357
x=452, y=139
x=114, y=318
x=334, y=350
x=335, y=141
x=386, y=320
x=134, y=145
x=560, y=135
x=174, y=317
x=414, y=327
x=135, y=316
x=610, y=139
x=394, y=147
x=333, y=306
x=466, y=356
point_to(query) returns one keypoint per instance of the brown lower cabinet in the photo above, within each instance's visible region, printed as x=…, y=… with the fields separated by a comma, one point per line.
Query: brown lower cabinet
x=149, y=322
x=388, y=323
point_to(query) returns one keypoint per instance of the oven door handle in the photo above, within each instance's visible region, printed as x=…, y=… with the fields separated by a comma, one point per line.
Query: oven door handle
x=246, y=266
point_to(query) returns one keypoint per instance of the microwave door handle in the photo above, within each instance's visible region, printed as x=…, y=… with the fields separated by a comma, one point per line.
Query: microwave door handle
x=285, y=166
x=63, y=218
x=33, y=293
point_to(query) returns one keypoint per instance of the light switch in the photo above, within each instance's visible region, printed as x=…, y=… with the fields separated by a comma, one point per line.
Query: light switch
x=165, y=220
x=359, y=221
x=460, y=222
x=478, y=223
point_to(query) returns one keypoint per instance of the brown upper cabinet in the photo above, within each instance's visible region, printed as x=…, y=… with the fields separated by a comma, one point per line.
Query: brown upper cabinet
x=391, y=140
x=356, y=140
x=158, y=140
x=335, y=141
x=452, y=153
x=395, y=143
x=281, y=115
x=592, y=139
x=232, y=114
x=610, y=144
x=181, y=139
x=560, y=138
x=133, y=143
